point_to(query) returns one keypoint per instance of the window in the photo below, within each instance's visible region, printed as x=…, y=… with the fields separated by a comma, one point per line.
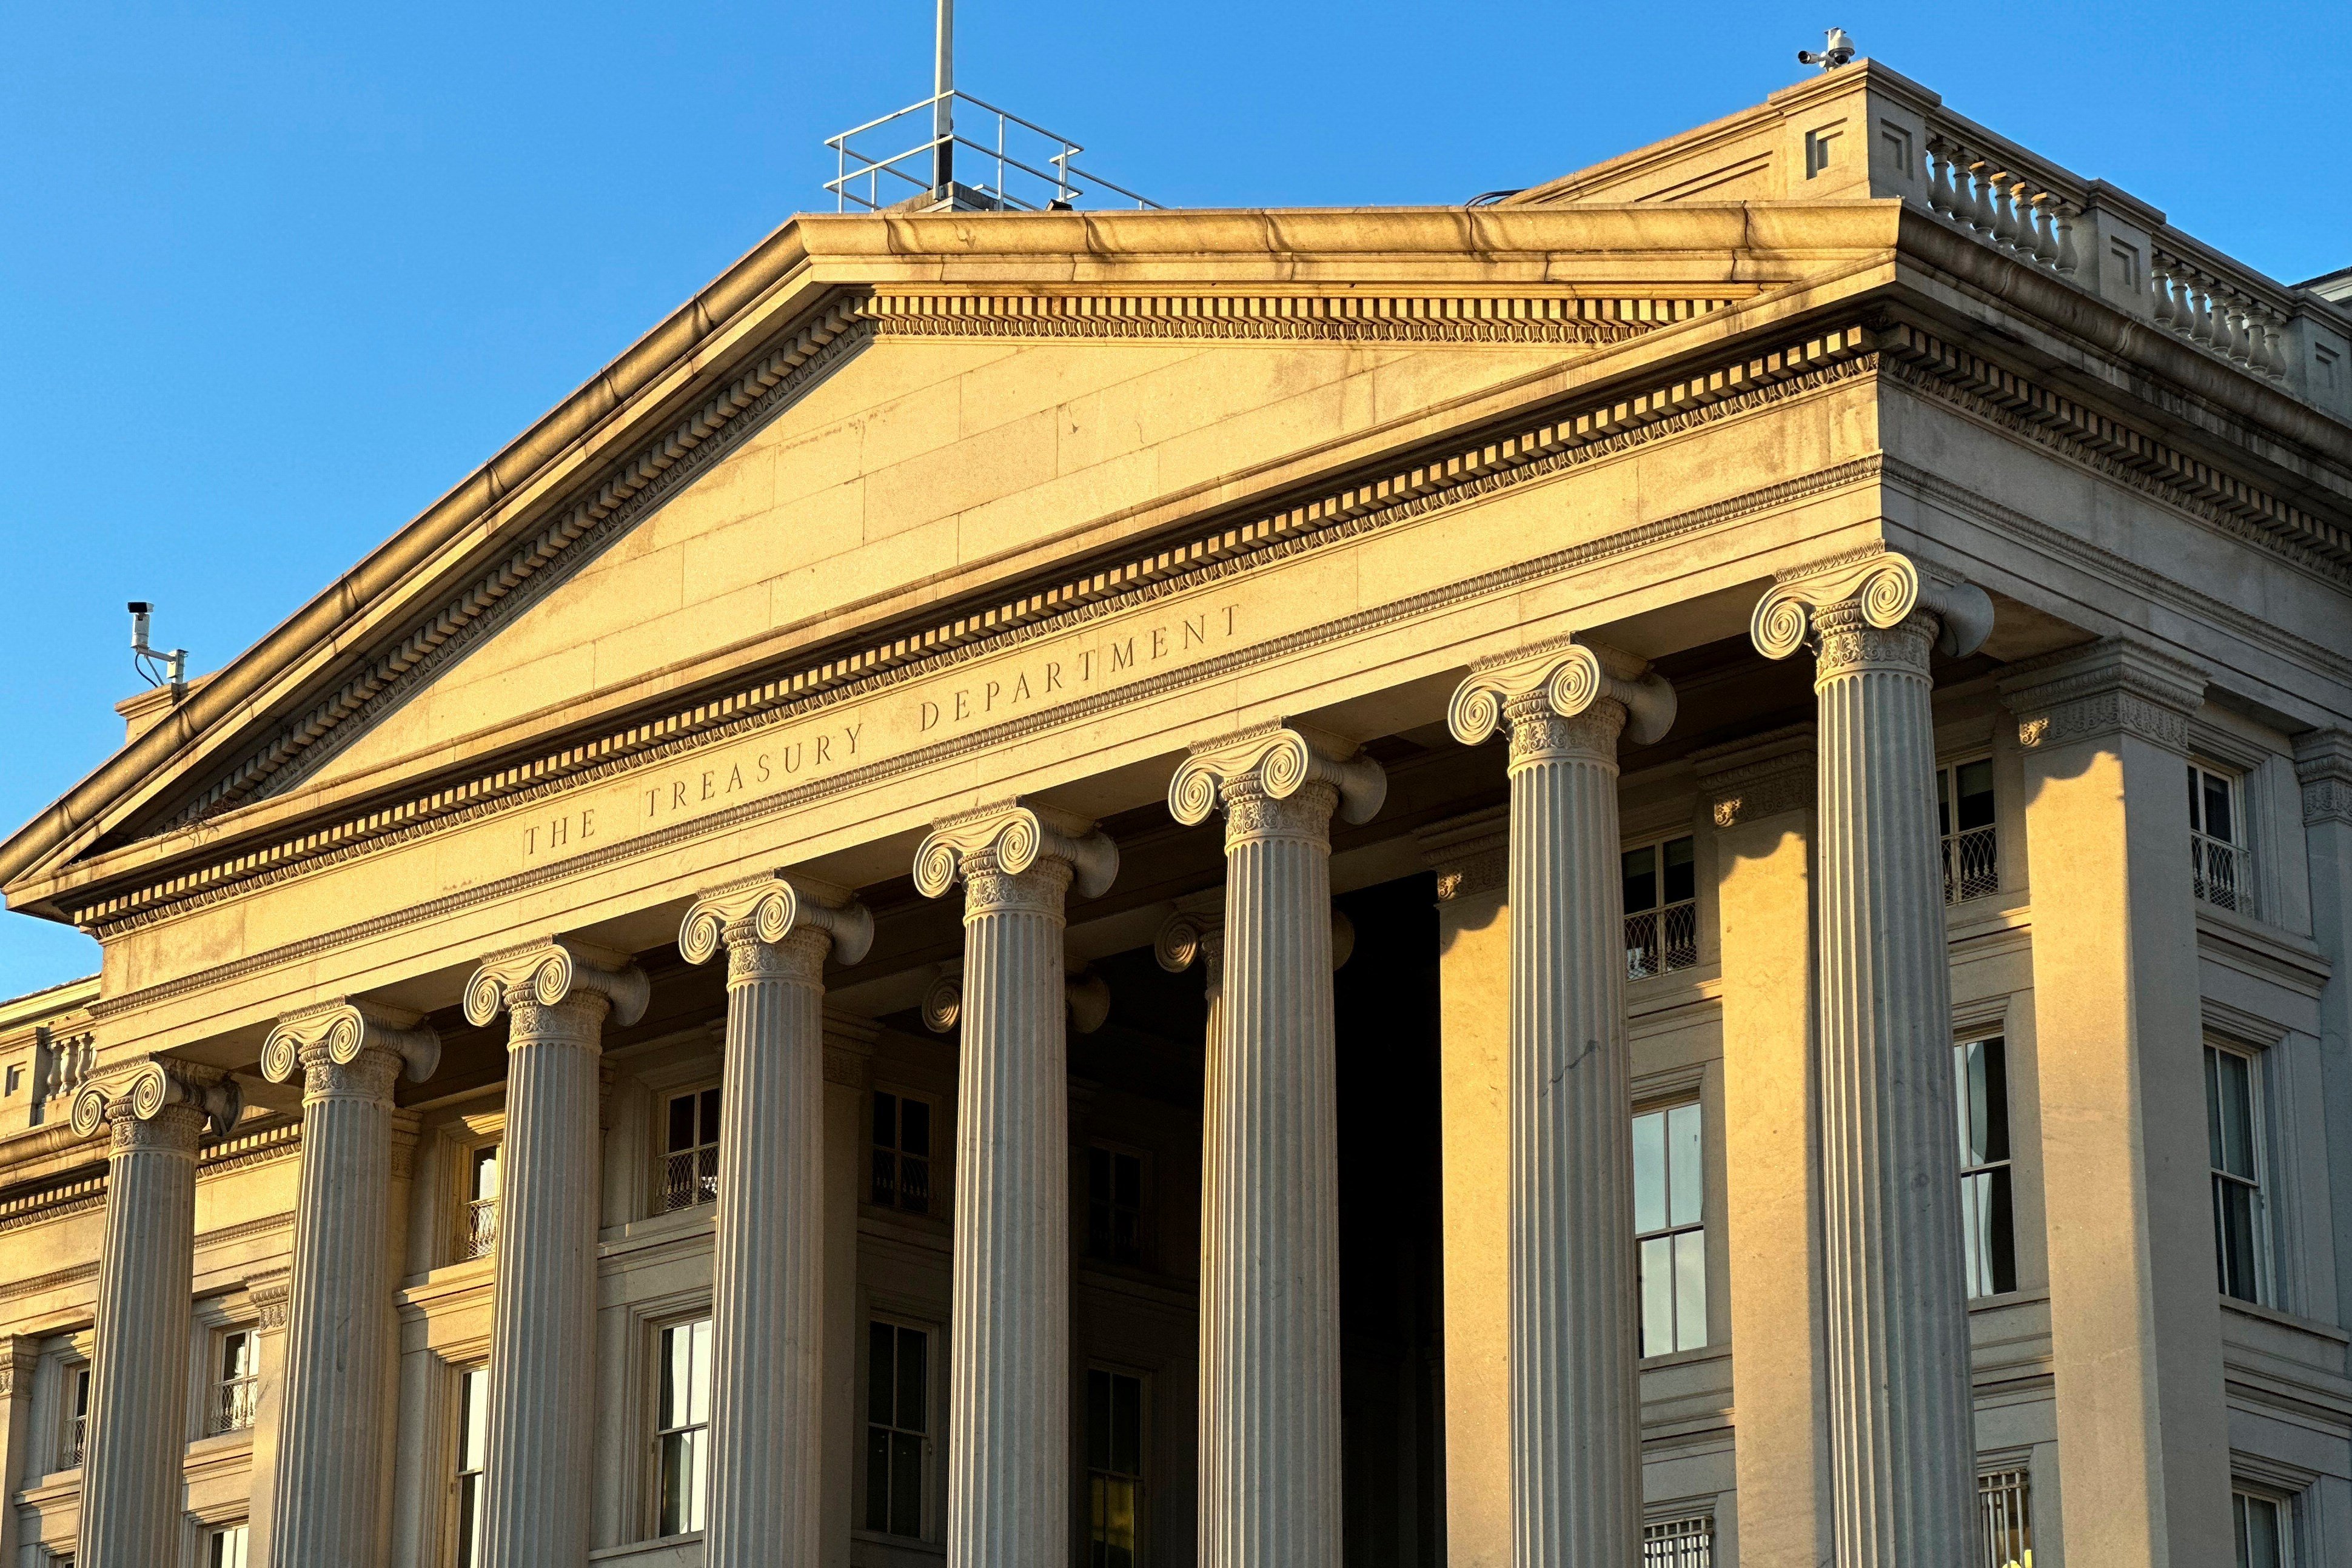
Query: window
x=2259, y=1525
x=1114, y=1205
x=897, y=1420
x=226, y=1547
x=1661, y=907
x=690, y=1154
x=1669, y=1229
x=236, y=1382
x=902, y=1152
x=2005, y=1516
x=477, y=1227
x=1113, y=1470
x=2234, y=1136
x=71, y=1441
x=1964, y=821
x=2220, y=864
x=473, y=1459
x=1679, y=1543
x=1988, y=1231
x=682, y=1438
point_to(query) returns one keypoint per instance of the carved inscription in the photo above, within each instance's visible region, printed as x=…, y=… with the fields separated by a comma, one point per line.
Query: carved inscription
x=962, y=701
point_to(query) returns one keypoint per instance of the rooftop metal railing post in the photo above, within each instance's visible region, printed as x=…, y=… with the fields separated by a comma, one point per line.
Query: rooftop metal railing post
x=1053, y=171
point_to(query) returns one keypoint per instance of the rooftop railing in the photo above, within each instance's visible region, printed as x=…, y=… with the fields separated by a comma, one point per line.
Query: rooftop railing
x=1037, y=170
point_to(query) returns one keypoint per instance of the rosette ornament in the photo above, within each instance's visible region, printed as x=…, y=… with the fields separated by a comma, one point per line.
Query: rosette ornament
x=770, y=908
x=1015, y=838
x=1563, y=680
x=340, y=1032
x=1280, y=761
x=1886, y=589
x=144, y=1094
x=549, y=972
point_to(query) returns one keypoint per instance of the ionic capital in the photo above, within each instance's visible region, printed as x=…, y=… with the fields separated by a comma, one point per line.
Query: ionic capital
x=2323, y=763
x=1087, y=993
x=1875, y=591
x=1275, y=761
x=769, y=908
x=1539, y=690
x=1011, y=839
x=318, y=1041
x=547, y=974
x=164, y=1103
x=2112, y=687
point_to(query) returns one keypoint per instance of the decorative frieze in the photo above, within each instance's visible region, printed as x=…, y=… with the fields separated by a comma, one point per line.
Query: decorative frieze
x=2114, y=687
x=2323, y=764
x=1751, y=780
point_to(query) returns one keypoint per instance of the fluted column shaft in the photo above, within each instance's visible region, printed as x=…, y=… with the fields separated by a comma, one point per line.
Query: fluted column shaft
x=1576, y=1414
x=1269, y=1453
x=1901, y=1421
x=339, y=1316
x=131, y=1474
x=543, y=1422
x=767, y=1300
x=1008, y=1419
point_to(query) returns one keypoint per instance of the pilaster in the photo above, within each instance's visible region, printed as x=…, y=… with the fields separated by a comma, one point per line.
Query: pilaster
x=1761, y=792
x=542, y=1422
x=271, y=1295
x=20, y=1360
x=848, y=1079
x=2143, y=1440
x=1009, y=1408
x=2323, y=765
x=1269, y=1417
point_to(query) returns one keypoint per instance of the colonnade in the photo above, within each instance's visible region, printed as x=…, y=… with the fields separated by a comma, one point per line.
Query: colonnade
x=1269, y=1431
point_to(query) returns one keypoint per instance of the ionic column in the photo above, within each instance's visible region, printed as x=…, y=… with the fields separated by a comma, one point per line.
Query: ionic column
x=130, y=1471
x=767, y=1300
x=543, y=1363
x=329, y=1465
x=1269, y=1435
x=1902, y=1416
x=1575, y=1355
x=1008, y=1411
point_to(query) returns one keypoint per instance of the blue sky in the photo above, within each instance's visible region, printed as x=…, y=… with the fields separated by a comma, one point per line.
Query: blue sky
x=274, y=276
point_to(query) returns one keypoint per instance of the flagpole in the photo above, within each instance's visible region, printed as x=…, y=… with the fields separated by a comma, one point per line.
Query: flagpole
x=943, y=106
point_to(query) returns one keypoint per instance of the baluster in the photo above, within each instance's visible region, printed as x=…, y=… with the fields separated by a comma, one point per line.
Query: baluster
x=2236, y=337
x=1980, y=212
x=2200, y=301
x=2062, y=223
x=2004, y=209
x=2159, y=283
x=2045, y=233
x=1941, y=194
x=2274, y=347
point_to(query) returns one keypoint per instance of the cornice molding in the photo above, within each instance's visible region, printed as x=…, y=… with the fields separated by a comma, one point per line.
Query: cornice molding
x=1589, y=432
x=1534, y=315
x=1760, y=776
x=2323, y=764
x=2108, y=688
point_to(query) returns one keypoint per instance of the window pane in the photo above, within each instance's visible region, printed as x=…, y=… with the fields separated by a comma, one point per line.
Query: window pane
x=1099, y=1420
x=2219, y=818
x=1682, y=870
x=886, y=1120
x=1975, y=780
x=915, y=1127
x=2196, y=815
x=877, y=1477
x=486, y=1172
x=905, y=1484
x=1658, y=1295
x=2233, y=1235
x=681, y=1123
x=1649, y=1172
x=1640, y=870
x=469, y=1521
x=1685, y=1188
x=1129, y=1191
x=708, y=1131
x=881, y=1369
x=914, y=1385
x=1690, y=1289
x=2237, y=1114
x=1126, y=1425
x=2258, y=1541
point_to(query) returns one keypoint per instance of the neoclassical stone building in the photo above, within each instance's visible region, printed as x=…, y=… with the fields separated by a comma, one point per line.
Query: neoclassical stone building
x=1505, y=884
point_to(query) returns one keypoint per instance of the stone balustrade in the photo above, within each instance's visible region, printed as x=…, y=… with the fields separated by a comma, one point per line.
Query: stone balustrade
x=2214, y=313
x=1994, y=196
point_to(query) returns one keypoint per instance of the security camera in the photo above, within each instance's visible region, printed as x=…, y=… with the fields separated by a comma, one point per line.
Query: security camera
x=1837, y=49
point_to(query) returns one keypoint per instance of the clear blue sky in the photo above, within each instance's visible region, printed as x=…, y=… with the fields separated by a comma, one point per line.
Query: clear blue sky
x=273, y=276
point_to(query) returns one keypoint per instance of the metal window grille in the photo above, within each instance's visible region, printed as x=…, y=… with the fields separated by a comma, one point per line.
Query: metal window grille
x=2220, y=866
x=237, y=1393
x=2005, y=1518
x=1679, y=1543
x=1966, y=830
x=690, y=1164
x=1661, y=893
x=477, y=1229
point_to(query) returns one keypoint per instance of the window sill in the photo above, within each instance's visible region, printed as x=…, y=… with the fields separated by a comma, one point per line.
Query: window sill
x=900, y=1543
x=661, y=1549
x=2020, y=1296
x=1685, y=1358
x=2311, y=1326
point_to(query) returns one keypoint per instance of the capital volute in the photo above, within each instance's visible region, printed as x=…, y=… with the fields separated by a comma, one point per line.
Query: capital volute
x=771, y=907
x=1087, y=994
x=145, y=1093
x=342, y=1031
x=1197, y=936
x=1280, y=760
x=1563, y=680
x=1884, y=589
x=548, y=972
x=1015, y=838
